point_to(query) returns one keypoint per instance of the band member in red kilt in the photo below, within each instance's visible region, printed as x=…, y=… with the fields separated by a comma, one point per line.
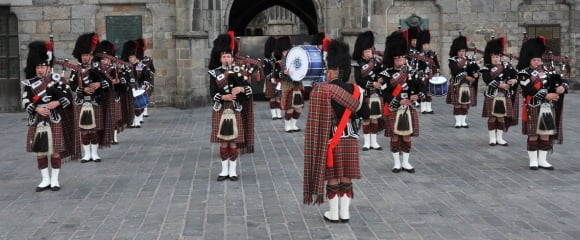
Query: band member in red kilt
x=500, y=104
x=142, y=75
x=368, y=64
x=90, y=87
x=463, y=83
x=48, y=101
x=232, y=115
x=292, y=100
x=104, y=54
x=272, y=85
x=543, y=92
x=331, y=138
x=401, y=92
x=427, y=67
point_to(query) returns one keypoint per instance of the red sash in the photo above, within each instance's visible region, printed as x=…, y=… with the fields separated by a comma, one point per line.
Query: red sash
x=339, y=130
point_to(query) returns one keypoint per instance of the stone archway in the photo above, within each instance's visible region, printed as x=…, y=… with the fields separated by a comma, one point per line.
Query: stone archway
x=242, y=12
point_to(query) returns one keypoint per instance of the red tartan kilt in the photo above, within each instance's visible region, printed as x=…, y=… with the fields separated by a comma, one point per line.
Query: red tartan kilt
x=127, y=108
x=530, y=127
x=99, y=117
x=57, y=135
x=269, y=89
x=390, y=123
x=215, y=124
x=346, y=160
x=453, y=96
x=287, y=88
x=488, y=102
x=117, y=115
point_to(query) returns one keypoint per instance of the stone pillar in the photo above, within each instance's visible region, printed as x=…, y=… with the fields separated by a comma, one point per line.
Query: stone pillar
x=192, y=85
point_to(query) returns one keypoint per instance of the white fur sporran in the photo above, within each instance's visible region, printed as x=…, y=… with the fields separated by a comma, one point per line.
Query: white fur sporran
x=42, y=143
x=403, y=122
x=297, y=99
x=87, y=117
x=228, y=129
x=498, y=106
x=464, y=94
x=375, y=106
x=546, y=120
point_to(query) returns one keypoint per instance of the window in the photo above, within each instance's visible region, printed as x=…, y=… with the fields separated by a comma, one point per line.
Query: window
x=9, y=65
x=552, y=34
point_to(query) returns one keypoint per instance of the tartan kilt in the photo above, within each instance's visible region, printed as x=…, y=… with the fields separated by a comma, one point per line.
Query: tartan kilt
x=127, y=109
x=346, y=160
x=215, y=124
x=287, y=88
x=530, y=127
x=269, y=89
x=390, y=123
x=57, y=135
x=488, y=102
x=453, y=95
x=99, y=117
x=117, y=115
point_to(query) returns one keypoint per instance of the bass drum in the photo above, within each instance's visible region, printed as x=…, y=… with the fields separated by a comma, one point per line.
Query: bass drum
x=438, y=86
x=305, y=62
x=141, y=98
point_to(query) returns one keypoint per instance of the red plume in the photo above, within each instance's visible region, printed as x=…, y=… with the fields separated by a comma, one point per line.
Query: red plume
x=142, y=43
x=405, y=34
x=325, y=43
x=94, y=42
x=503, y=43
x=48, y=45
x=543, y=39
x=232, y=40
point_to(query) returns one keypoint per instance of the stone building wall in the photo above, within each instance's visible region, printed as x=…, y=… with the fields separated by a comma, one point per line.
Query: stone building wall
x=180, y=32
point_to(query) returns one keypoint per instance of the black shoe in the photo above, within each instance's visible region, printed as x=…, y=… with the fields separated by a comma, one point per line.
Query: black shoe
x=396, y=170
x=492, y=144
x=234, y=178
x=410, y=170
x=141, y=122
x=85, y=161
x=40, y=189
x=424, y=112
x=534, y=168
x=379, y=148
x=55, y=188
x=431, y=112
x=505, y=144
x=138, y=126
x=97, y=160
x=466, y=126
x=115, y=143
x=329, y=220
x=365, y=148
x=457, y=126
x=221, y=178
x=344, y=220
x=546, y=168
x=145, y=115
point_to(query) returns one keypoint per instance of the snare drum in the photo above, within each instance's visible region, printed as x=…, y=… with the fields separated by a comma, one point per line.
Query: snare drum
x=438, y=86
x=305, y=62
x=141, y=99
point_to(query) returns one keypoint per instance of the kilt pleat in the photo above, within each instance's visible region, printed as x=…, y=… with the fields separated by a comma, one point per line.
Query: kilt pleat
x=346, y=160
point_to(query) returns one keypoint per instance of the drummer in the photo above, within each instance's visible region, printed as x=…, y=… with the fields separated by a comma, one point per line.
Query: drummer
x=428, y=67
x=292, y=100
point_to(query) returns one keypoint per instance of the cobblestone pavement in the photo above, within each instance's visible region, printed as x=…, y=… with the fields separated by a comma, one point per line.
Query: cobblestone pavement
x=159, y=183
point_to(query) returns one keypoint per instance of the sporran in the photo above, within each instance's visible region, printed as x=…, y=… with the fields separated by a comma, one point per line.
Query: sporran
x=228, y=129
